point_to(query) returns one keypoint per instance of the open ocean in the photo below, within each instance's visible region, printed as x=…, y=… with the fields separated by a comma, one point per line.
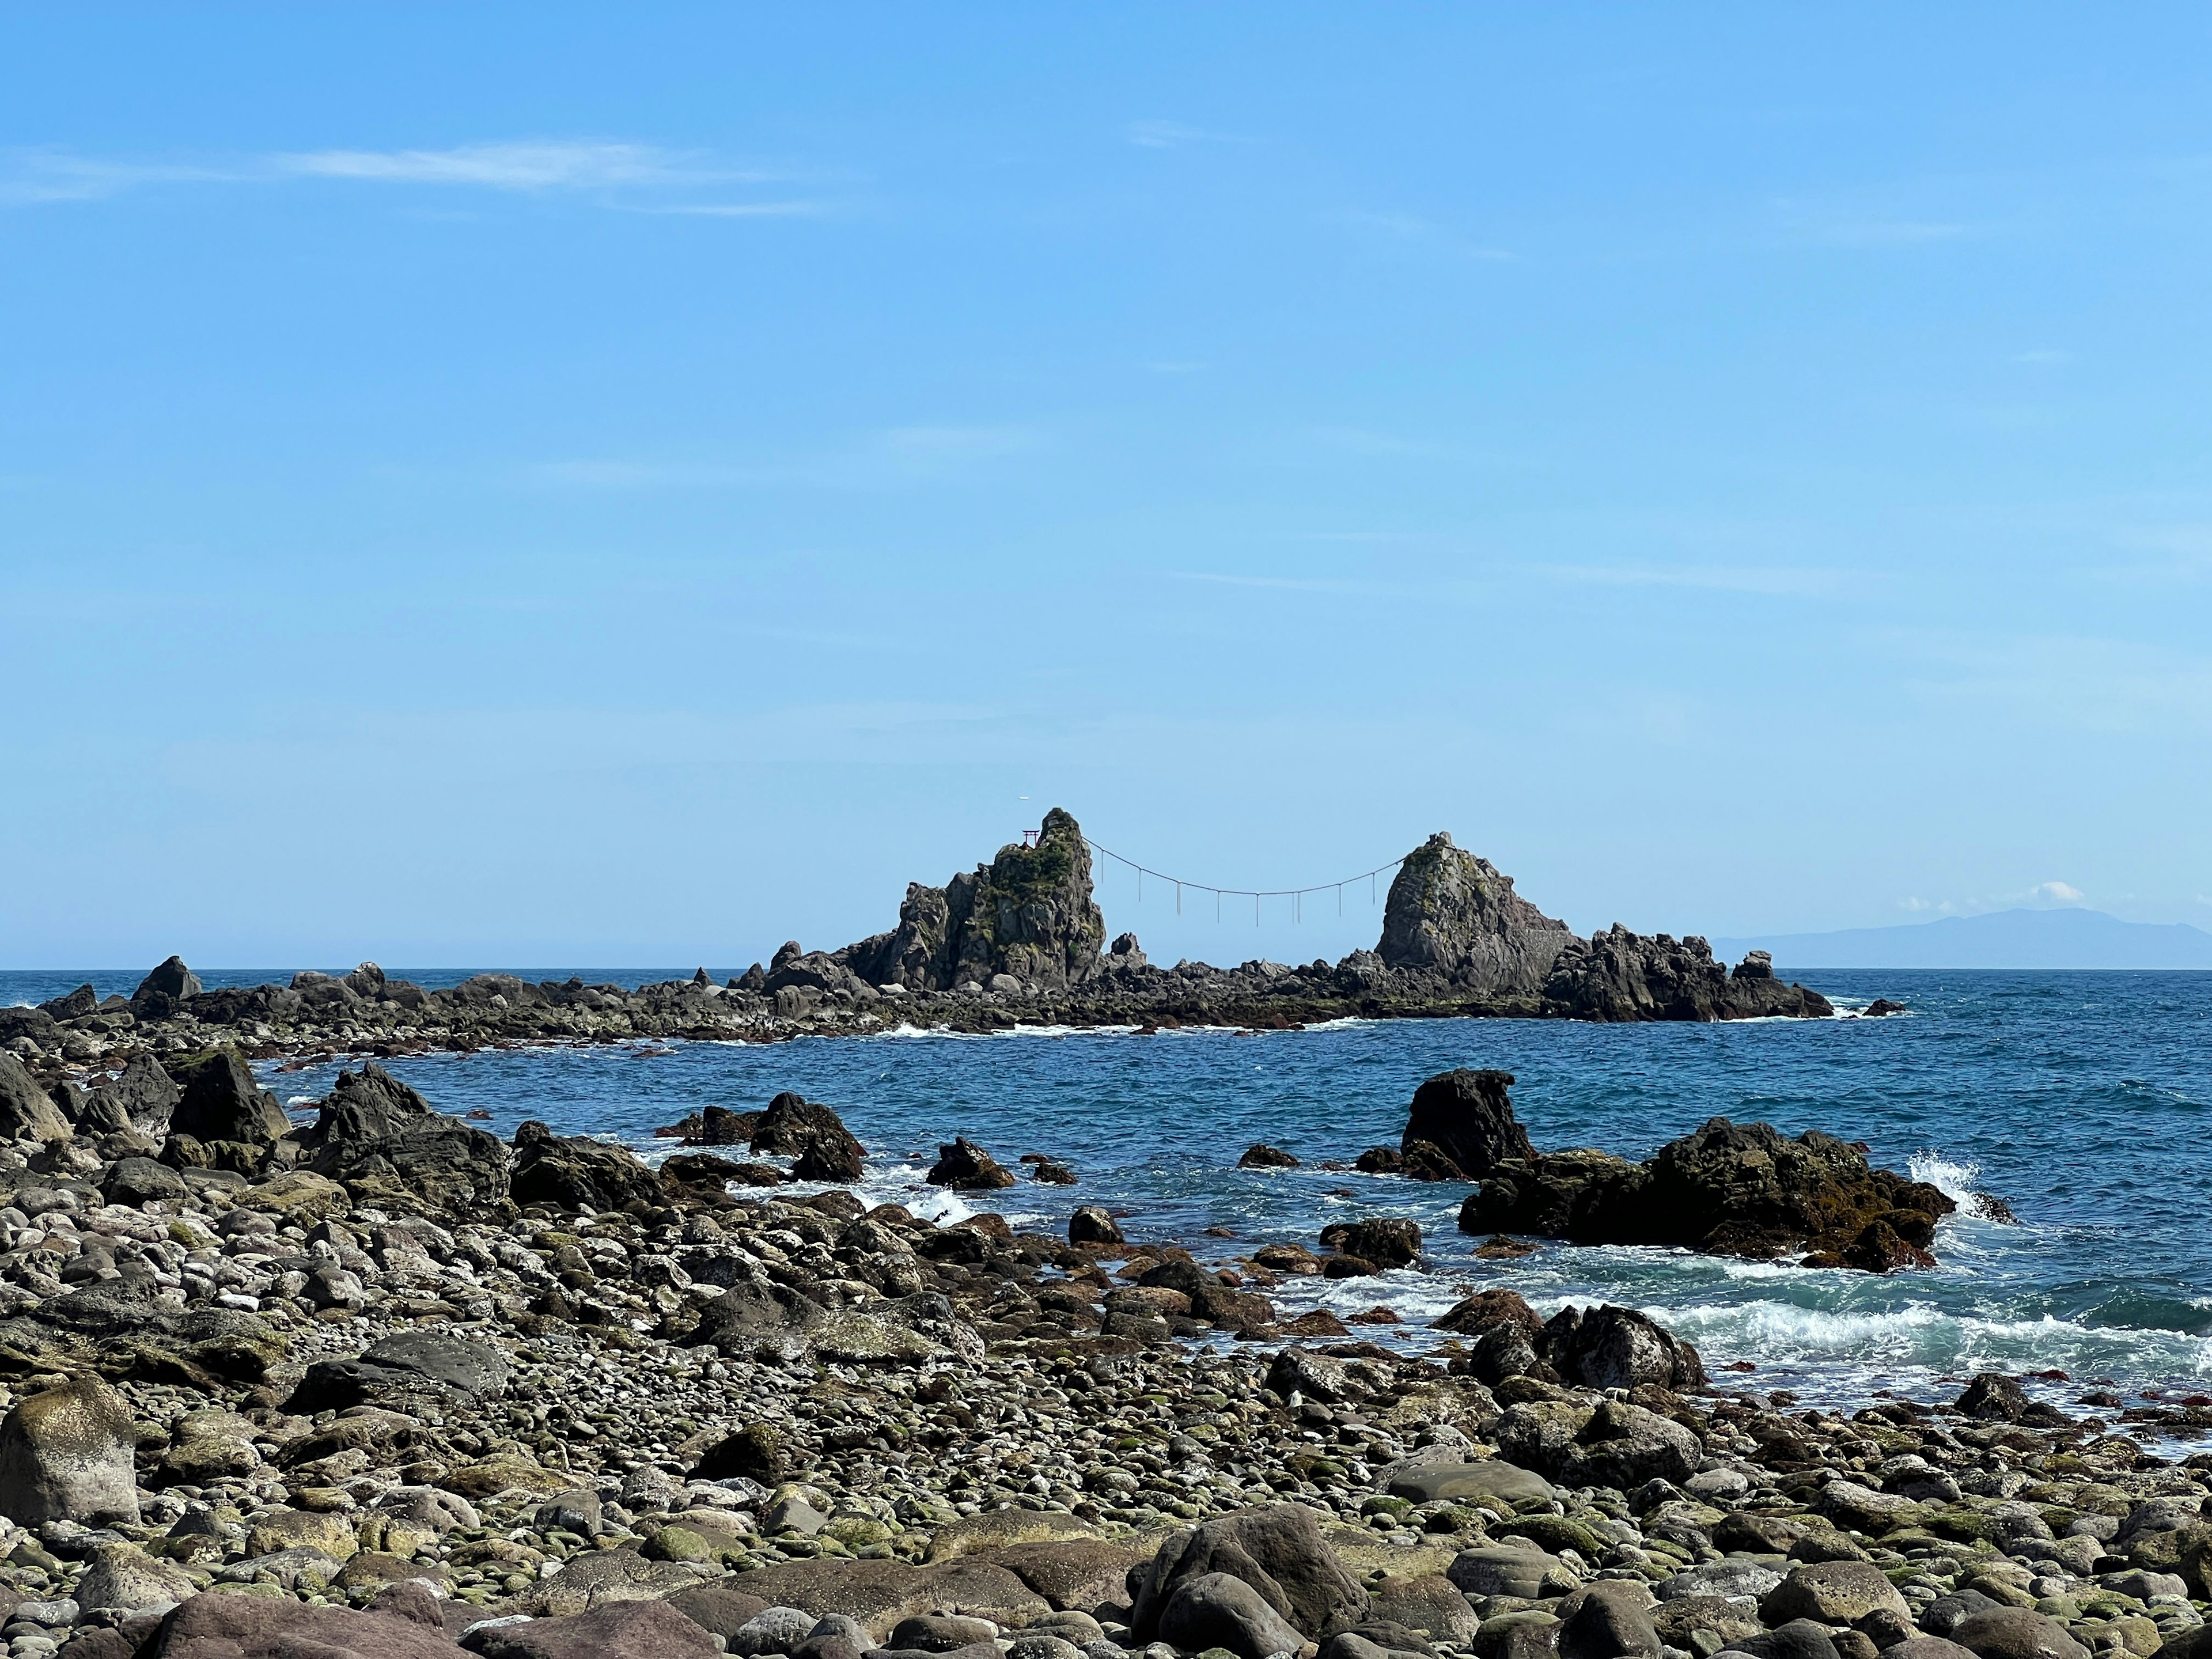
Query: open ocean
x=2081, y=1098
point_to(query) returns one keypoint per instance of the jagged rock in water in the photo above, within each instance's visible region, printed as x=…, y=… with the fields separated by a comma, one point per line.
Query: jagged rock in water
x=1726, y=1190
x=1029, y=914
x=1467, y=1118
x=813, y=1135
x=1617, y=975
x=1454, y=914
x=965, y=1167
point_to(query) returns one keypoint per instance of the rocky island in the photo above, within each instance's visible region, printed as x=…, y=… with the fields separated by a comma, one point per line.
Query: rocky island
x=1019, y=940
x=383, y=1386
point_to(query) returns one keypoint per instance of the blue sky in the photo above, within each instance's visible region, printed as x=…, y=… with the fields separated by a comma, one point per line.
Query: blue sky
x=635, y=484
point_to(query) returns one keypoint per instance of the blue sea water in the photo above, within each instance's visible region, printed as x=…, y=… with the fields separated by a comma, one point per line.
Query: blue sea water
x=2081, y=1098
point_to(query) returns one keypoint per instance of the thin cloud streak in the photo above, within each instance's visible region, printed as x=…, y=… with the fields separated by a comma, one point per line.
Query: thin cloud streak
x=1777, y=583
x=34, y=177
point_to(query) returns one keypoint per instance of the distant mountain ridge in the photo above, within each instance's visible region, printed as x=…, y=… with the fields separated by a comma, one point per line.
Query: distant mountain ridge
x=2004, y=939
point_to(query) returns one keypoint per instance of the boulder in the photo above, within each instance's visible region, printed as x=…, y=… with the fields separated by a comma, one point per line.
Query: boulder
x=1386, y=1241
x=66, y=1453
x=1611, y=1620
x=750, y=1312
x=1070, y=1573
x=26, y=1111
x=230, y=1626
x=1490, y=1482
x=160, y=991
x=813, y=1135
x=382, y=1141
x=2017, y=1633
x=124, y=1577
x=719, y=1608
x=1616, y=1445
x=1215, y=1610
x=638, y=1629
x=1093, y=1224
x=1427, y=1603
x=1468, y=1118
x=137, y=1181
x=145, y=1096
x=410, y=1370
x=965, y=1167
x=1276, y=1550
x=1497, y=1570
x=575, y=1172
x=1833, y=1593
x=1610, y=1347
x=1453, y=914
x=1725, y=1189
x=1260, y=1156
x=220, y=1101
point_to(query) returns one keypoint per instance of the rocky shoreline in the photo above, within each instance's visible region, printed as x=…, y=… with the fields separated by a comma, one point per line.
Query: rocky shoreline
x=391, y=1386
x=1018, y=942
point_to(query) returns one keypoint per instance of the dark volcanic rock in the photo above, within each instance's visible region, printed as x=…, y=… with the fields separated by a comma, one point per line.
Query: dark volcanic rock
x=813, y=1135
x=159, y=993
x=382, y=1141
x=1260, y=1156
x=1386, y=1241
x=1618, y=975
x=572, y=1172
x=1029, y=913
x=1453, y=913
x=1468, y=1118
x=1091, y=1225
x=145, y=1094
x=26, y=1111
x=1726, y=1190
x=1610, y=1347
x=965, y=1167
x=221, y=1101
x=1278, y=1551
x=407, y=1370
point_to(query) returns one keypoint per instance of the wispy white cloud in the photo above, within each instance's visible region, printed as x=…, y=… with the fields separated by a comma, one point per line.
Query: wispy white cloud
x=1175, y=135
x=537, y=166
x=2056, y=892
x=31, y=177
x=898, y=455
x=740, y=210
x=1779, y=581
x=1287, y=584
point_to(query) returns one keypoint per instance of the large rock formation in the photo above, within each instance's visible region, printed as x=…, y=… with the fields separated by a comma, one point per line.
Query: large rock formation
x=1454, y=914
x=1618, y=975
x=1466, y=1118
x=1028, y=913
x=1727, y=1190
x=1454, y=917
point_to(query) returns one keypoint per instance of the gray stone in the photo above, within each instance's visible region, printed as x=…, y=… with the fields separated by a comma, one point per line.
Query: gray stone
x=66, y=1455
x=1213, y=1610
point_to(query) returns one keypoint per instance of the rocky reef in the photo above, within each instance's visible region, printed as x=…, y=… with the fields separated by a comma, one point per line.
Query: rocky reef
x=1725, y=1189
x=386, y=1387
x=1018, y=940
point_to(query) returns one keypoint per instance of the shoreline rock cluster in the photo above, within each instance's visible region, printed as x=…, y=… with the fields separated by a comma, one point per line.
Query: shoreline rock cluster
x=386, y=1387
x=1018, y=941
